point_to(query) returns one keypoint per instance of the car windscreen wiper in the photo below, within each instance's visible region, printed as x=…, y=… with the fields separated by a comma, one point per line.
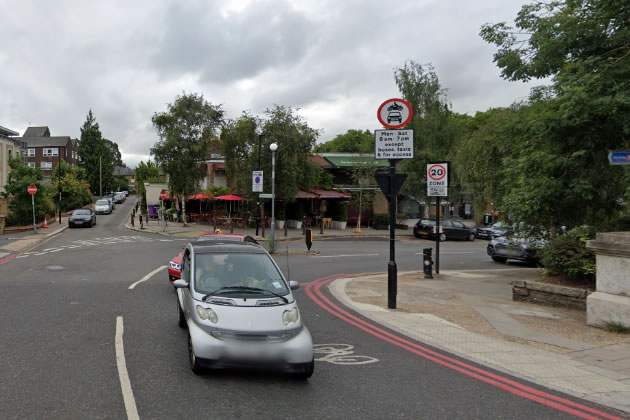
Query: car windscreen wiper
x=246, y=288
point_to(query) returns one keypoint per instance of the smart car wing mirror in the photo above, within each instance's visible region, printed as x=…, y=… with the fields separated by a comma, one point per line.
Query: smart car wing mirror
x=180, y=284
x=294, y=285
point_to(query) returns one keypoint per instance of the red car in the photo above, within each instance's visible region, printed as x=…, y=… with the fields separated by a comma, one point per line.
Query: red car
x=175, y=265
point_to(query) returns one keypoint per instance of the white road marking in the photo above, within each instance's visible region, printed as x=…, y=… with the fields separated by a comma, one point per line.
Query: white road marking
x=166, y=240
x=347, y=255
x=449, y=252
x=147, y=277
x=121, y=364
x=341, y=354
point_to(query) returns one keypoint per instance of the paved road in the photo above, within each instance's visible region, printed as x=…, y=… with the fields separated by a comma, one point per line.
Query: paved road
x=59, y=307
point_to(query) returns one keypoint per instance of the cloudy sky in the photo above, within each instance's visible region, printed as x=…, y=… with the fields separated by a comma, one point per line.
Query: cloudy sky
x=332, y=59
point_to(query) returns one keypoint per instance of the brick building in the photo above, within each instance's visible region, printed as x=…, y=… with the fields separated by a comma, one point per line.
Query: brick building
x=45, y=151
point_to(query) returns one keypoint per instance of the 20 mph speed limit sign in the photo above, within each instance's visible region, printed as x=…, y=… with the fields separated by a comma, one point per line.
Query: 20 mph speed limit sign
x=437, y=179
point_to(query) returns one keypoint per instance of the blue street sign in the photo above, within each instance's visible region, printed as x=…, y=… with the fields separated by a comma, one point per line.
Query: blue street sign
x=619, y=158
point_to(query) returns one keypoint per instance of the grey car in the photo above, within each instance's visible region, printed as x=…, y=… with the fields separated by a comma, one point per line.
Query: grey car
x=102, y=207
x=82, y=217
x=517, y=247
x=239, y=310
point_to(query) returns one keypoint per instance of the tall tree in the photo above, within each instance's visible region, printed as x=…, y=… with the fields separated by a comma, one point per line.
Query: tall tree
x=434, y=136
x=116, y=156
x=75, y=190
x=185, y=131
x=353, y=141
x=145, y=172
x=560, y=174
x=95, y=156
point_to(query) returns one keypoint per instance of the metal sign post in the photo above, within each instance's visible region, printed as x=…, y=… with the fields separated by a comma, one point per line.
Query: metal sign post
x=162, y=198
x=32, y=190
x=437, y=186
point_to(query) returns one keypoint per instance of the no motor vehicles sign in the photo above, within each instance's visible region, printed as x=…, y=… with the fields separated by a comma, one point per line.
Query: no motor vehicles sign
x=437, y=179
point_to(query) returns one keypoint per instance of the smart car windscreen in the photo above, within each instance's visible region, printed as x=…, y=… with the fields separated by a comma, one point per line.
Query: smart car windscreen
x=217, y=271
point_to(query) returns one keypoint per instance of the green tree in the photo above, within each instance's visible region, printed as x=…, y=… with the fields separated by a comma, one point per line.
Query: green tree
x=20, y=207
x=353, y=141
x=295, y=139
x=558, y=173
x=116, y=156
x=185, y=131
x=96, y=156
x=434, y=134
x=75, y=190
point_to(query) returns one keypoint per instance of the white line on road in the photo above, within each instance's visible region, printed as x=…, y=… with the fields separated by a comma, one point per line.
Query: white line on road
x=348, y=255
x=121, y=364
x=147, y=277
x=447, y=252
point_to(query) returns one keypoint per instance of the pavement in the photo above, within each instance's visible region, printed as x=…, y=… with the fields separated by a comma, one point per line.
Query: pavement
x=469, y=313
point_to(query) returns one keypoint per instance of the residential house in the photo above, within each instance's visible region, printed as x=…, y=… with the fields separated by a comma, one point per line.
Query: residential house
x=129, y=174
x=45, y=151
x=9, y=146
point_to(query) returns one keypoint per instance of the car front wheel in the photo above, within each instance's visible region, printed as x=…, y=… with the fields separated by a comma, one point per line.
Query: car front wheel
x=499, y=259
x=194, y=363
x=471, y=237
x=442, y=237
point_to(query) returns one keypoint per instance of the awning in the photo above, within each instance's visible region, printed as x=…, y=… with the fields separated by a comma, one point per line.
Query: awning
x=349, y=162
x=304, y=194
x=330, y=194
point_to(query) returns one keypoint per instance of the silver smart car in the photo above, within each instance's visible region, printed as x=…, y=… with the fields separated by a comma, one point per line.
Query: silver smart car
x=239, y=310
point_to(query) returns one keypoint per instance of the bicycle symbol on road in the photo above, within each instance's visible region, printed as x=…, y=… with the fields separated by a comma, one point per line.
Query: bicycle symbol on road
x=340, y=354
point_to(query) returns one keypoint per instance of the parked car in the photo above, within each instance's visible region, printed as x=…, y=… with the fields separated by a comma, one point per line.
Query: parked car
x=111, y=202
x=119, y=198
x=174, y=265
x=82, y=217
x=518, y=247
x=493, y=231
x=126, y=193
x=102, y=207
x=451, y=229
x=239, y=310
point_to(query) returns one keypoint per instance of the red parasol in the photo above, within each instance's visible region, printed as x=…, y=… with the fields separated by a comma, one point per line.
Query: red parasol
x=229, y=197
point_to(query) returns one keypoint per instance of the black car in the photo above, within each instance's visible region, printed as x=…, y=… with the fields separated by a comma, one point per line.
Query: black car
x=119, y=198
x=450, y=229
x=517, y=247
x=493, y=231
x=82, y=217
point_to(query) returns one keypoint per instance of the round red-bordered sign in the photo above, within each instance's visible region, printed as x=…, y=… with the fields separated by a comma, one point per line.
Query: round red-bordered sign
x=395, y=111
x=163, y=195
x=436, y=172
x=32, y=189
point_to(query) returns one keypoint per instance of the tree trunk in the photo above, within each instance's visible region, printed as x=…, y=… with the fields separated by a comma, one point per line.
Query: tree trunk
x=184, y=211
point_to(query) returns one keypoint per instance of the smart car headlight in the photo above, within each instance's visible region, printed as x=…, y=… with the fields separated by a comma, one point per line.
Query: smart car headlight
x=175, y=266
x=291, y=316
x=207, y=314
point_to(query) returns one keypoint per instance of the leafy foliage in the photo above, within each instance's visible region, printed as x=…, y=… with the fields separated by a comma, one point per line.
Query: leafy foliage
x=567, y=255
x=20, y=207
x=96, y=156
x=353, y=141
x=245, y=150
x=185, y=131
x=75, y=190
x=145, y=172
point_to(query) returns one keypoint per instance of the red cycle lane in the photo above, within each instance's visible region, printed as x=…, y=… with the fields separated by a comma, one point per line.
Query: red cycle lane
x=313, y=290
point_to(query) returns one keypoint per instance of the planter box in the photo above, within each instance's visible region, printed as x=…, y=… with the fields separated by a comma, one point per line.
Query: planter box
x=280, y=224
x=381, y=227
x=549, y=294
x=402, y=226
x=294, y=224
x=339, y=225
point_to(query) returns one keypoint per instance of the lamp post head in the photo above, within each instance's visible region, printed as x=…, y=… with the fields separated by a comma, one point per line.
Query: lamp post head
x=273, y=147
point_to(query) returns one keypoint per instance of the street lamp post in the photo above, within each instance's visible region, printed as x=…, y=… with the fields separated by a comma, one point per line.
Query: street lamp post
x=273, y=147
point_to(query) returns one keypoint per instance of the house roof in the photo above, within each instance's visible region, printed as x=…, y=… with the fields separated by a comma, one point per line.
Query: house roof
x=5, y=131
x=37, y=132
x=329, y=193
x=57, y=141
x=320, y=161
x=349, y=162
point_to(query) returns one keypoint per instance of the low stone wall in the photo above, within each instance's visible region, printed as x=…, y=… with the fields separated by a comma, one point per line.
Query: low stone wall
x=549, y=294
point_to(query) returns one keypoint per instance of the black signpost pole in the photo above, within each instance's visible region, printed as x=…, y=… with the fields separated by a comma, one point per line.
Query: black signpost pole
x=437, y=235
x=392, y=271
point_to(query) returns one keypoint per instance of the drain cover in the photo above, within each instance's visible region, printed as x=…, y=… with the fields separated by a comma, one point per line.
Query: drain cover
x=55, y=267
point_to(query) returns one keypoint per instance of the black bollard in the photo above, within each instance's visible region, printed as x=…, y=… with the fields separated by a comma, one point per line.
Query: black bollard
x=427, y=263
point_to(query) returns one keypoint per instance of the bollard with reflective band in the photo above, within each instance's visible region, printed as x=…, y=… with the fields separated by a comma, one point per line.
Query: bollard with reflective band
x=427, y=263
x=308, y=236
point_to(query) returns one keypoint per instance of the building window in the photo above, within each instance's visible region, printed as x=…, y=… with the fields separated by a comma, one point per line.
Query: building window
x=31, y=164
x=46, y=165
x=52, y=151
x=31, y=152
